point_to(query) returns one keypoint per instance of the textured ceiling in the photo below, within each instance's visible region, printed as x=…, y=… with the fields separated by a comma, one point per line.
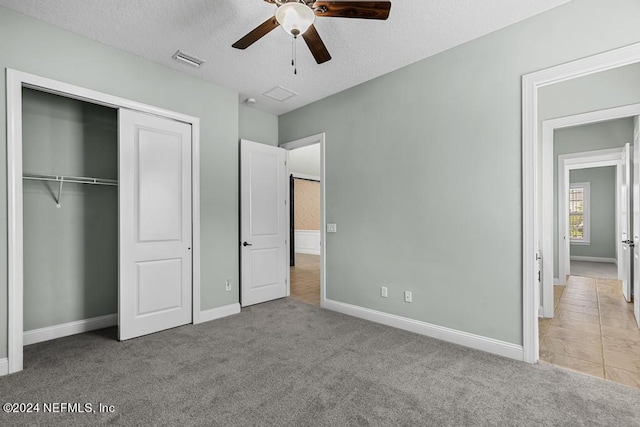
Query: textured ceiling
x=361, y=49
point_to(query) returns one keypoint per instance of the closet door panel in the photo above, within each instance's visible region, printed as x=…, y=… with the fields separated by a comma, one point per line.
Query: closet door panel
x=159, y=185
x=158, y=286
x=155, y=224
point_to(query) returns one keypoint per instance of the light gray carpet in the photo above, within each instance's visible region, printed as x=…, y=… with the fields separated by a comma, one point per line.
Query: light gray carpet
x=601, y=270
x=289, y=363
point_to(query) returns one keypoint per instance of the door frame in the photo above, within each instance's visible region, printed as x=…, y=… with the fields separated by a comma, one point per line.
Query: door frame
x=299, y=143
x=15, y=81
x=531, y=198
x=567, y=163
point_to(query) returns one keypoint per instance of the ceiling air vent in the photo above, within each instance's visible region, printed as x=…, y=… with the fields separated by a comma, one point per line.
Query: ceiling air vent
x=279, y=93
x=188, y=59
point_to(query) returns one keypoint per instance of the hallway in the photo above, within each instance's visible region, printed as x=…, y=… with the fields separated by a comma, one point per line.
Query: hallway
x=593, y=331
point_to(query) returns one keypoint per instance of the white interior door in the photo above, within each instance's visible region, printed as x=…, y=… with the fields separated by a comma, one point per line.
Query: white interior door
x=155, y=291
x=264, y=223
x=625, y=222
x=636, y=219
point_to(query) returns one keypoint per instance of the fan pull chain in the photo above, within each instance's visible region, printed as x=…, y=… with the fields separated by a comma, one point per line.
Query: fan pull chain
x=294, y=55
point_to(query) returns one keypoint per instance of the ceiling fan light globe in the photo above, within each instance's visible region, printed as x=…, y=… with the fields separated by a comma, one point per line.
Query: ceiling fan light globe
x=295, y=18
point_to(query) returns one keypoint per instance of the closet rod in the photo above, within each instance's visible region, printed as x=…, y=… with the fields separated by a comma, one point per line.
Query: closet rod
x=71, y=179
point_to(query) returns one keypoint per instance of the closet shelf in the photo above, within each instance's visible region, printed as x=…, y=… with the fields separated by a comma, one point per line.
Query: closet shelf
x=72, y=179
x=61, y=179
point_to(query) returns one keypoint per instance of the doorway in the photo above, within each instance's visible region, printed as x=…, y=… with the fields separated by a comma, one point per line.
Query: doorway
x=535, y=260
x=589, y=328
x=137, y=183
x=304, y=219
x=305, y=164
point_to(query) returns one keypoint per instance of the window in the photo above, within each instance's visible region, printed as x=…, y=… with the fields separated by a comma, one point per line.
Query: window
x=579, y=212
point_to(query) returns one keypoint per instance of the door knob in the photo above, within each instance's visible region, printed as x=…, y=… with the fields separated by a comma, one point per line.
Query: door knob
x=246, y=244
x=629, y=242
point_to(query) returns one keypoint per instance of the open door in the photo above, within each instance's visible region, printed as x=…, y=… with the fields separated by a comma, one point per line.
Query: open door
x=625, y=223
x=155, y=291
x=263, y=223
x=636, y=219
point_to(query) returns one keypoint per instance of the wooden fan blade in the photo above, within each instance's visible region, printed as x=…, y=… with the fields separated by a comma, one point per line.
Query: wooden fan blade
x=257, y=33
x=353, y=9
x=316, y=45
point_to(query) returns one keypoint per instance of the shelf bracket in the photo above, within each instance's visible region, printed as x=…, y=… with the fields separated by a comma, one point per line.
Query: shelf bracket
x=59, y=193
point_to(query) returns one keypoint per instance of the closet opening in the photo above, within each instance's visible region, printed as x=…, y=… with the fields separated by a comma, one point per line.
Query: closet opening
x=70, y=216
x=103, y=223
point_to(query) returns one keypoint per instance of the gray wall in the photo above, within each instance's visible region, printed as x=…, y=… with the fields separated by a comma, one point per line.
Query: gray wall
x=602, y=202
x=35, y=47
x=257, y=126
x=607, y=89
x=423, y=171
x=71, y=252
x=597, y=136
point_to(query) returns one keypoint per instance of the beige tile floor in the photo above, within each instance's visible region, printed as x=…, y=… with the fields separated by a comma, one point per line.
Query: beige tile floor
x=593, y=331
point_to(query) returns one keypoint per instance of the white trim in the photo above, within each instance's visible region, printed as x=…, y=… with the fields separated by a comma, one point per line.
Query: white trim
x=305, y=176
x=83, y=94
x=530, y=195
x=502, y=348
x=15, y=81
x=308, y=251
x=4, y=367
x=14, y=222
x=71, y=328
x=219, y=312
x=299, y=143
x=195, y=221
x=593, y=259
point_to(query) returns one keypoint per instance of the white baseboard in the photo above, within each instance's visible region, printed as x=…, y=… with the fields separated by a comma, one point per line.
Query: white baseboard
x=4, y=367
x=593, y=259
x=308, y=251
x=219, y=312
x=71, y=328
x=478, y=342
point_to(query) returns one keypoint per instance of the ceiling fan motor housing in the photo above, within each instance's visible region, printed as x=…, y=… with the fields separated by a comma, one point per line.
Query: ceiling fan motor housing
x=306, y=2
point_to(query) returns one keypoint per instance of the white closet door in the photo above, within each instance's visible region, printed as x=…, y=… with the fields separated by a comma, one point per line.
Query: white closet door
x=155, y=291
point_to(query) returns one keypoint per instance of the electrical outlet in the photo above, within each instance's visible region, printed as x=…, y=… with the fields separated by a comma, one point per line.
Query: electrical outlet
x=384, y=292
x=332, y=228
x=227, y=285
x=408, y=296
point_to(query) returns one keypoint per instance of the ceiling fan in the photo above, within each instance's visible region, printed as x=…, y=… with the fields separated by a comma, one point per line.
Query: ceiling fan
x=297, y=16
